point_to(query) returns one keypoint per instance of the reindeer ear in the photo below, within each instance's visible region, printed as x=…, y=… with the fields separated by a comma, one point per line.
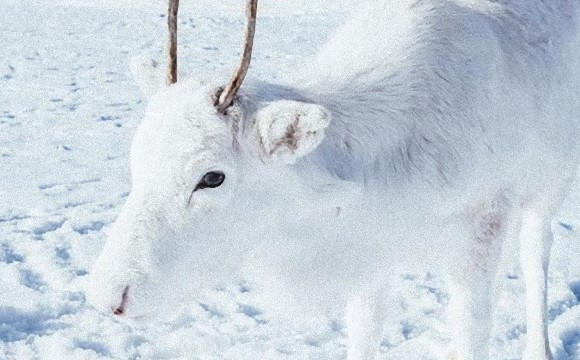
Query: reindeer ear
x=147, y=75
x=288, y=130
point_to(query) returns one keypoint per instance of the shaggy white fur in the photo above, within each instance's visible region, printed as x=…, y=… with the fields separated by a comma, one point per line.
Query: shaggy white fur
x=423, y=130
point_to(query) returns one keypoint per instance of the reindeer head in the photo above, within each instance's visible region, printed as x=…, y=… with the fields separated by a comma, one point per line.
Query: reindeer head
x=203, y=162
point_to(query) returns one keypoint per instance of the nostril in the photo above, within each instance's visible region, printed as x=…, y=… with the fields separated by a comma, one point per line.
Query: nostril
x=121, y=308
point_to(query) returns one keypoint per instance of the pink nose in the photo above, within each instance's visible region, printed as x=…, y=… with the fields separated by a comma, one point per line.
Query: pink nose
x=121, y=308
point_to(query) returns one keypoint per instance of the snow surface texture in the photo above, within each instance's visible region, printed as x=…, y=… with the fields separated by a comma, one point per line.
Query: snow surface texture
x=68, y=108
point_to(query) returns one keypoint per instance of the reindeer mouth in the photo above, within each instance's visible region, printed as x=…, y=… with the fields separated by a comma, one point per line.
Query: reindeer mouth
x=121, y=308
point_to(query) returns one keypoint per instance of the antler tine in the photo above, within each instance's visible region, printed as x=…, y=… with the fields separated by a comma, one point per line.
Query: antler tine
x=227, y=96
x=172, y=41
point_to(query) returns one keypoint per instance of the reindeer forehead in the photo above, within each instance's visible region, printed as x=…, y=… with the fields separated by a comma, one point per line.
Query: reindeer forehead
x=168, y=137
x=184, y=111
x=205, y=134
x=193, y=132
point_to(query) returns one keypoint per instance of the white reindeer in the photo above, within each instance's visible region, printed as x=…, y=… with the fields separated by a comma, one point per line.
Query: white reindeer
x=423, y=130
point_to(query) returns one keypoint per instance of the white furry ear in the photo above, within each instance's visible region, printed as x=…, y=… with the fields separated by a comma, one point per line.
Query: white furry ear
x=147, y=74
x=288, y=129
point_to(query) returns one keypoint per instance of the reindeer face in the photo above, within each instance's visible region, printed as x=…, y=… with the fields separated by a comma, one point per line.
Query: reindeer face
x=195, y=200
x=184, y=174
x=200, y=169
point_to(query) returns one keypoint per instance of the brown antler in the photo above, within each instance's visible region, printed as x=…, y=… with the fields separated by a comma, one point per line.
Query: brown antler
x=172, y=43
x=227, y=96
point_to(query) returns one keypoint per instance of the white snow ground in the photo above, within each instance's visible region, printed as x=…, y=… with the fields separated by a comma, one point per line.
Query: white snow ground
x=68, y=107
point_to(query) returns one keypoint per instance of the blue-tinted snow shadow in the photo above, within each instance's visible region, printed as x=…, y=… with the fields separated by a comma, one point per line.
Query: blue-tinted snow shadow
x=97, y=347
x=16, y=324
x=570, y=346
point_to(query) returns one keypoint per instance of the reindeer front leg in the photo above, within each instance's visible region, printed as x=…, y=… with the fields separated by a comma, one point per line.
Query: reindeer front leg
x=364, y=320
x=470, y=314
x=535, y=245
x=471, y=276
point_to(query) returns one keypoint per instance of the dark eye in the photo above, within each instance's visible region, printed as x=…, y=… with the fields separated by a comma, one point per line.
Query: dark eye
x=211, y=180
